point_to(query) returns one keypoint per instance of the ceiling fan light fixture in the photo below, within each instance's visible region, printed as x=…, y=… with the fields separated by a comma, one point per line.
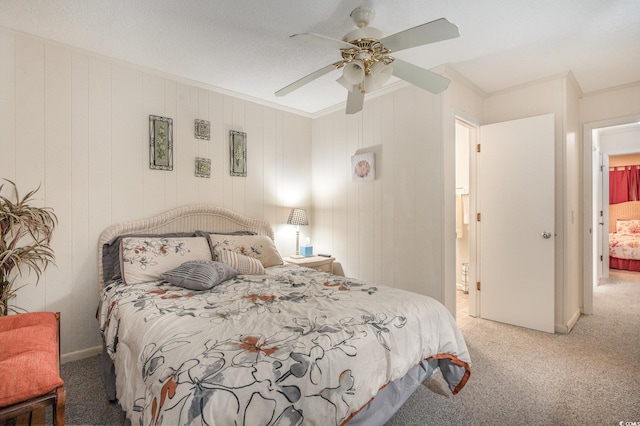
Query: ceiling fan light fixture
x=345, y=84
x=381, y=73
x=353, y=72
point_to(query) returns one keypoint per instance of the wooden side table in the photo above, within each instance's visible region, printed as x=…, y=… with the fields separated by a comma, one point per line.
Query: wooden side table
x=319, y=263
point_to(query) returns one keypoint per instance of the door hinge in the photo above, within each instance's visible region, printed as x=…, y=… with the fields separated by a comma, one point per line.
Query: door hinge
x=478, y=286
x=601, y=259
x=600, y=213
x=478, y=217
x=478, y=148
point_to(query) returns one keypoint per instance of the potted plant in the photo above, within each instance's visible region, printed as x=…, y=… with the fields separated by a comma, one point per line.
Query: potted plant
x=25, y=237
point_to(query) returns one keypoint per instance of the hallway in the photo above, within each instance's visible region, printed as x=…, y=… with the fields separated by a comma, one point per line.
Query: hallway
x=462, y=308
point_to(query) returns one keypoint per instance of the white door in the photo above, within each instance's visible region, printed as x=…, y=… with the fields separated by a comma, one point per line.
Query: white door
x=516, y=230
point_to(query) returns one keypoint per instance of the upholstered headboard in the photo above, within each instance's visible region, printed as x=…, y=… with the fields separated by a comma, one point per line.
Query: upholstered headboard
x=197, y=217
x=628, y=210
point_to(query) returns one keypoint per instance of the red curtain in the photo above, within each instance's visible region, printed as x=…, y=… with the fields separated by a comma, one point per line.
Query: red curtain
x=624, y=185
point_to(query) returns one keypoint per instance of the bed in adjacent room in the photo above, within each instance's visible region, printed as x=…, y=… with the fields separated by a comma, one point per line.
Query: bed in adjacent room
x=203, y=323
x=624, y=236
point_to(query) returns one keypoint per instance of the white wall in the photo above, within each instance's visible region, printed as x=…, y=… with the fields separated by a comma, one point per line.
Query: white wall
x=391, y=230
x=573, y=218
x=77, y=124
x=620, y=142
x=610, y=104
x=398, y=230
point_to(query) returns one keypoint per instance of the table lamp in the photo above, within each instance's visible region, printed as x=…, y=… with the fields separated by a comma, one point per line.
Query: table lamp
x=297, y=217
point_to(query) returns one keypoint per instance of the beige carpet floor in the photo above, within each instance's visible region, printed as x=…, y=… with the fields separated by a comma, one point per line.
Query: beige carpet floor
x=590, y=376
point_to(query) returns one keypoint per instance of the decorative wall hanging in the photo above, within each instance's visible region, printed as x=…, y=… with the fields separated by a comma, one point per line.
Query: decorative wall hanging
x=363, y=167
x=238, y=153
x=203, y=167
x=160, y=143
x=202, y=129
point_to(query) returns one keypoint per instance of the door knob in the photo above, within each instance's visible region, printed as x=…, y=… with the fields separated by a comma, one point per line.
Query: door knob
x=546, y=235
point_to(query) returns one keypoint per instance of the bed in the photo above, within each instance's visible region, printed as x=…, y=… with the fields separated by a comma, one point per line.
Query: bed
x=624, y=236
x=202, y=323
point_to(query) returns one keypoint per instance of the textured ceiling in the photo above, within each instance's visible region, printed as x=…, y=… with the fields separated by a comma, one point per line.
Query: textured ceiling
x=244, y=46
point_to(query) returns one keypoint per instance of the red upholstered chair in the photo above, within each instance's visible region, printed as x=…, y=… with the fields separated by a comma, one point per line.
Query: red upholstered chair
x=30, y=366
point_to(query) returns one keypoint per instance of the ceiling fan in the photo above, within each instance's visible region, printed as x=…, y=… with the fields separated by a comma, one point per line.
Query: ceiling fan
x=366, y=60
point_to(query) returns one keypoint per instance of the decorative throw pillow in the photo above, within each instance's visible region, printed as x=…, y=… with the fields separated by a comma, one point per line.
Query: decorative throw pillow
x=144, y=259
x=111, y=252
x=199, y=274
x=256, y=246
x=241, y=263
x=631, y=226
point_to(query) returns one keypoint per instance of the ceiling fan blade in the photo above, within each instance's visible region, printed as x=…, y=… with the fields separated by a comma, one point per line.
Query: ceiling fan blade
x=355, y=101
x=438, y=30
x=420, y=77
x=322, y=40
x=304, y=80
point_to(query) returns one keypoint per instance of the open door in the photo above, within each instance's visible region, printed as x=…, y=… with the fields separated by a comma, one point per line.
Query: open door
x=516, y=227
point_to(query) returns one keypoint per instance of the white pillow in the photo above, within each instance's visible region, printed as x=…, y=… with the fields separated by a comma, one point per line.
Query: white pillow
x=630, y=226
x=257, y=246
x=243, y=264
x=145, y=259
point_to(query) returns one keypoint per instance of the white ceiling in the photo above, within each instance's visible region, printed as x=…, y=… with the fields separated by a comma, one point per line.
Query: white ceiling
x=243, y=46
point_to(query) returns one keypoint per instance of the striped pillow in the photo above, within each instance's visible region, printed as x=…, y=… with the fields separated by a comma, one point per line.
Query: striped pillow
x=199, y=274
x=241, y=263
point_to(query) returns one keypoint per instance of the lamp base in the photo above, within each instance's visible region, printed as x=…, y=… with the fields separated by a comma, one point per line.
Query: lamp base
x=296, y=256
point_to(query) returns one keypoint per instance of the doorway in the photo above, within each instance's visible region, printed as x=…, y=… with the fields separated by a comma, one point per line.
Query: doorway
x=465, y=142
x=615, y=147
x=502, y=295
x=594, y=234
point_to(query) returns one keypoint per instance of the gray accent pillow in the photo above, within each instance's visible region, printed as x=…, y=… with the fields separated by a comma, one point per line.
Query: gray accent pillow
x=199, y=274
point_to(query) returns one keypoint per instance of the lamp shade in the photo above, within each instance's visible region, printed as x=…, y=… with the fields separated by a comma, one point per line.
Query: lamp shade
x=298, y=217
x=353, y=72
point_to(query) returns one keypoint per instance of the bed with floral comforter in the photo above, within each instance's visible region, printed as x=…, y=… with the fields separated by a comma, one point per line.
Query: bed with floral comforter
x=203, y=324
x=293, y=346
x=624, y=251
x=624, y=244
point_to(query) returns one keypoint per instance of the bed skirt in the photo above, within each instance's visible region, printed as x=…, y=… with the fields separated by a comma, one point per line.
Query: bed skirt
x=624, y=264
x=379, y=410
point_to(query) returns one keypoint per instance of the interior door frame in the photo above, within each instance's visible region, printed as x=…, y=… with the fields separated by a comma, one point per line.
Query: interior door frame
x=474, y=131
x=587, y=208
x=603, y=230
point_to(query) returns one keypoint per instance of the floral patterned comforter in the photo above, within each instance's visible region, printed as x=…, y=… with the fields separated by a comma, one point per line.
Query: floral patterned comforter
x=624, y=246
x=296, y=346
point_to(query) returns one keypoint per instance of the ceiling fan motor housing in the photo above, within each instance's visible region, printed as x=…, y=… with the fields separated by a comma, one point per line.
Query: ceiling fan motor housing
x=362, y=16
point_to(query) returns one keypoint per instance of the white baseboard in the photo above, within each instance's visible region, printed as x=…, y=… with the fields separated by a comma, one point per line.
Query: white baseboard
x=77, y=355
x=565, y=329
x=574, y=319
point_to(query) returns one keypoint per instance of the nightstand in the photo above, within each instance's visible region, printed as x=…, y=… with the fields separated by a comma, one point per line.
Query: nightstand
x=319, y=263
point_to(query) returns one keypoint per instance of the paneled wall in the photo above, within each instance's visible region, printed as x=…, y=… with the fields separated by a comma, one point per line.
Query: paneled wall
x=76, y=125
x=389, y=231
